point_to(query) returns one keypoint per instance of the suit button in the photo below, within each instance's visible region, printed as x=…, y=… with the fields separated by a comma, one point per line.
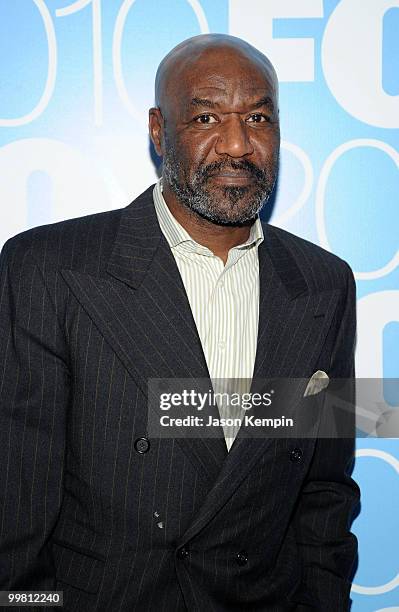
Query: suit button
x=182, y=553
x=142, y=445
x=241, y=558
x=296, y=455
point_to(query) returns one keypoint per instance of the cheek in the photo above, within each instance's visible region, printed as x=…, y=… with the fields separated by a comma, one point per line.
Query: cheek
x=267, y=148
x=275, y=143
x=197, y=146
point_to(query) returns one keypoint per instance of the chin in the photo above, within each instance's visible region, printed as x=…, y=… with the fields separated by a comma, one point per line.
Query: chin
x=219, y=217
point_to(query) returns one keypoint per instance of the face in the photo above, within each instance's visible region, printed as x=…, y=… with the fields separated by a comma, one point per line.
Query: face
x=219, y=137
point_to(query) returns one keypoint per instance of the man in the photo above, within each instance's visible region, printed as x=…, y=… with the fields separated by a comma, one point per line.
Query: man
x=185, y=282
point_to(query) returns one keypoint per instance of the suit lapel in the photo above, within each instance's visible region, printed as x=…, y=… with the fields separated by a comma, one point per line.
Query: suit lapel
x=141, y=308
x=291, y=318
x=293, y=324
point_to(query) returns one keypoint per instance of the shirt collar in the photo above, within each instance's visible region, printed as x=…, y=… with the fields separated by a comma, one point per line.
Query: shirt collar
x=175, y=233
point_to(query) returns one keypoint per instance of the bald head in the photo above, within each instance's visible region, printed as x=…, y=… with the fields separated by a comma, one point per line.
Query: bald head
x=204, y=50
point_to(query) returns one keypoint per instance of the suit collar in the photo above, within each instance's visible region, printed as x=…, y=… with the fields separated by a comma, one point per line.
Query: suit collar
x=137, y=240
x=139, y=236
x=273, y=250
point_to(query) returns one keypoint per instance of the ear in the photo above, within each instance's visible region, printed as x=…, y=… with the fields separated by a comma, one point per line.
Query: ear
x=155, y=125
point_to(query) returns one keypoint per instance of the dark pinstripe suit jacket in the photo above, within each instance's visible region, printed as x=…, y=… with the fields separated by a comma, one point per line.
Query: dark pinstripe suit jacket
x=90, y=309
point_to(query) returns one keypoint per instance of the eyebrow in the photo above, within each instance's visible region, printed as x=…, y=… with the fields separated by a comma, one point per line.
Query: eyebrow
x=265, y=101
x=203, y=102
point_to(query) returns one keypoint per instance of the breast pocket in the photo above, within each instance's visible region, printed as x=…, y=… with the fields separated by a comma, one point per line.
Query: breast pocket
x=78, y=568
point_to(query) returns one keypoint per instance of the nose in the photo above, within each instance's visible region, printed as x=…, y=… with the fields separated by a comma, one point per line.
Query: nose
x=233, y=138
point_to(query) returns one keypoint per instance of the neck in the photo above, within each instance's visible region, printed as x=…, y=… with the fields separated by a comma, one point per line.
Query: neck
x=217, y=238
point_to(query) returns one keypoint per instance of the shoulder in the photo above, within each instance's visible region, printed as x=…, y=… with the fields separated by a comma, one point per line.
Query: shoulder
x=64, y=243
x=84, y=242
x=321, y=269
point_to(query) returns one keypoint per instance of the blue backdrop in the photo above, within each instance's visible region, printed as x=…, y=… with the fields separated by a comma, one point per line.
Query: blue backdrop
x=76, y=80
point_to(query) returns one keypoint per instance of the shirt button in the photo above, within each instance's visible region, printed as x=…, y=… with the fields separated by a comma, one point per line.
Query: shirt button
x=182, y=553
x=296, y=455
x=221, y=284
x=142, y=445
x=241, y=558
x=222, y=345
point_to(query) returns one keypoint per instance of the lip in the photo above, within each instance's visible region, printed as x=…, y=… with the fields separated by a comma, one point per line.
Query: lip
x=226, y=177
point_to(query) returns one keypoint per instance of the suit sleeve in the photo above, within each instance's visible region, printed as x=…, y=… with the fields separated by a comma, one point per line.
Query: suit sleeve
x=329, y=496
x=34, y=392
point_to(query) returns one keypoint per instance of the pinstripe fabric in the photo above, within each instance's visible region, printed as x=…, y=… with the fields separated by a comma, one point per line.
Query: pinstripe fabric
x=224, y=300
x=89, y=310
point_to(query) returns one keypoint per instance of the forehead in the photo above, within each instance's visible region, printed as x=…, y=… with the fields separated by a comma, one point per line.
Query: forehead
x=222, y=74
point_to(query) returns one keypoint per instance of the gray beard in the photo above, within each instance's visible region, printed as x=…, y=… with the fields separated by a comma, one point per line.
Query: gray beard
x=195, y=195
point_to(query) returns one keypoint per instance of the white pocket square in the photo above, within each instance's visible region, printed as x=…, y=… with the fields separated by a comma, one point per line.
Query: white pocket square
x=317, y=383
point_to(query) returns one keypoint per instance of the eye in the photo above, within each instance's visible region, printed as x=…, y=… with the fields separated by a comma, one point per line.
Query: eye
x=205, y=119
x=258, y=118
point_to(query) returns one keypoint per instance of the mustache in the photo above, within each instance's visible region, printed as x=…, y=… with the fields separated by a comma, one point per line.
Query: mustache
x=245, y=166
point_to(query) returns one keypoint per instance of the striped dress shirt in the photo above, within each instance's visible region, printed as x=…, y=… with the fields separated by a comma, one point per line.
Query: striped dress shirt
x=224, y=300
